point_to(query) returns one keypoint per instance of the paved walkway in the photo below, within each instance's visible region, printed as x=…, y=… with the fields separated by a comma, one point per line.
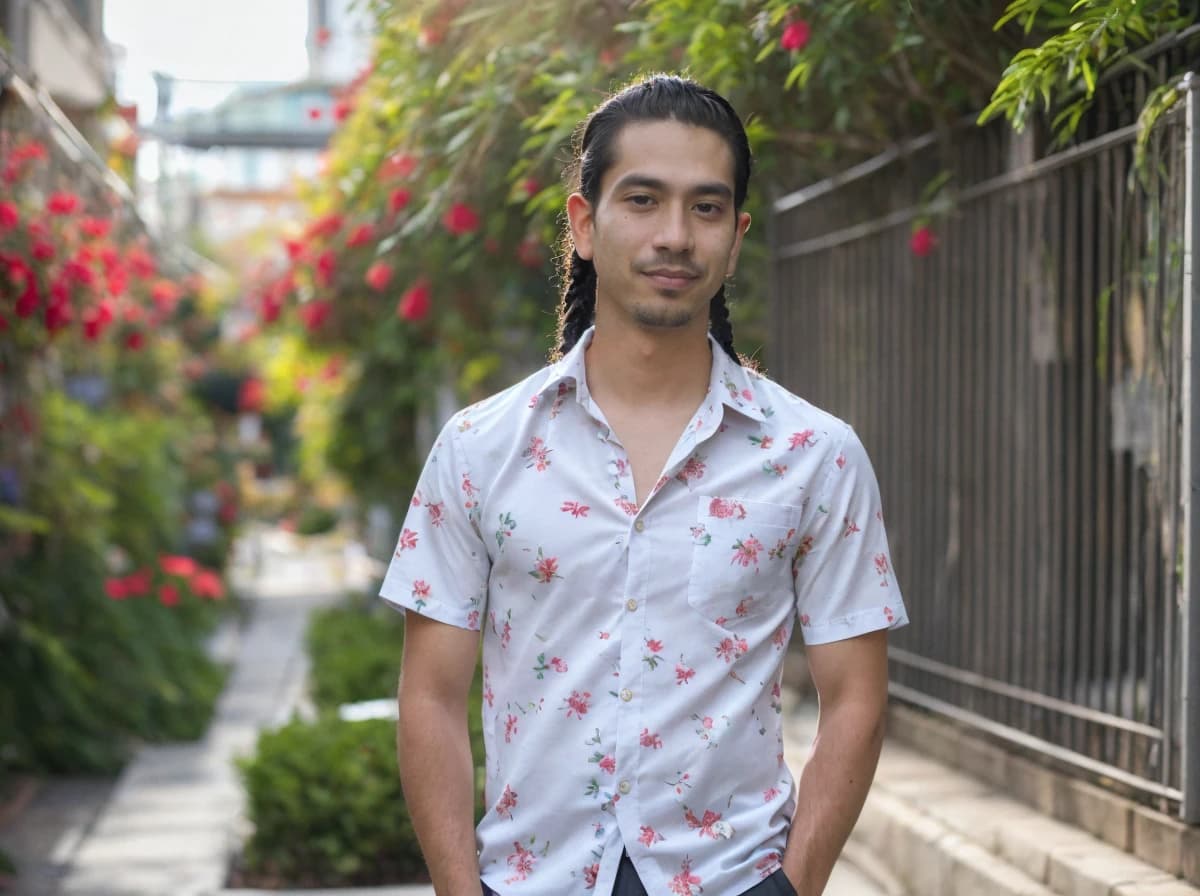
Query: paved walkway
x=174, y=816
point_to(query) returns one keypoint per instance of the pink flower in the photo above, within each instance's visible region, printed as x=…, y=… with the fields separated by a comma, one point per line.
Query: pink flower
x=577, y=704
x=178, y=565
x=723, y=510
x=378, y=275
x=342, y=109
x=649, y=836
x=10, y=216
x=420, y=589
x=731, y=648
x=460, y=219
x=546, y=569
x=510, y=728
x=402, y=164
x=398, y=200
x=62, y=203
x=314, y=112
x=795, y=36
x=651, y=741
x=314, y=314
x=531, y=187
x=558, y=664
x=169, y=595
x=654, y=645
x=326, y=268
x=508, y=802
x=408, y=539
x=207, y=583
x=683, y=674
x=360, y=236
x=116, y=589
x=609, y=764
x=575, y=508
x=703, y=825
x=589, y=875
x=922, y=242
x=521, y=861
x=414, y=304
x=96, y=228
x=770, y=794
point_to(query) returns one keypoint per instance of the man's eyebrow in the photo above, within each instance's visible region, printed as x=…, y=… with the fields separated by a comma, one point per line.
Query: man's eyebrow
x=716, y=188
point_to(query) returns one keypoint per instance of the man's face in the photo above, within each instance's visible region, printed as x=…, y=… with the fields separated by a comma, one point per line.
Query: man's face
x=663, y=233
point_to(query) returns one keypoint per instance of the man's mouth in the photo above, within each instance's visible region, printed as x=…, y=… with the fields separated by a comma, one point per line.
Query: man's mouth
x=671, y=278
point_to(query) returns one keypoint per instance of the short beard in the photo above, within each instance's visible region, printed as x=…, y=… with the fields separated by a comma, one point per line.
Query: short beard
x=663, y=318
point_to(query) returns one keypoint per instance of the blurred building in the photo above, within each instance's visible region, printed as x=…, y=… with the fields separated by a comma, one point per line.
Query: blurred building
x=225, y=172
x=59, y=45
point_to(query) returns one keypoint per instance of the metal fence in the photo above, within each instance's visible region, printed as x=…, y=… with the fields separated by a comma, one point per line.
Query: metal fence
x=1025, y=393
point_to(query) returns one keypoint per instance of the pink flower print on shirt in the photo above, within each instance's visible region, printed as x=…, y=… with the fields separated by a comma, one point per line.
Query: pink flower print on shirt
x=408, y=541
x=577, y=704
x=537, y=454
x=558, y=664
x=768, y=865
x=841, y=461
x=473, y=620
x=693, y=470
x=683, y=674
x=731, y=648
x=510, y=728
x=881, y=567
x=763, y=442
x=505, y=631
x=533, y=402
x=770, y=793
x=851, y=527
x=683, y=780
x=575, y=508
x=743, y=606
x=653, y=653
x=469, y=491
x=628, y=507
x=651, y=741
x=723, y=509
x=649, y=836
x=436, y=513
x=521, y=860
x=779, y=639
x=700, y=536
x=705, y=824
x=546, y=568
x=781, y=546
x=682, y=883
x=776, y=470
x=608, y=763
x=802, y=439
x=508, y=802
x=589, y=875
x=420, y=591
x=559, y=398
x=889, y=615
x=745, y=552
x=804, y=619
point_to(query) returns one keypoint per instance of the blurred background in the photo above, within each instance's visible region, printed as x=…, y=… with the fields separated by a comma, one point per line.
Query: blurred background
x=253, y=254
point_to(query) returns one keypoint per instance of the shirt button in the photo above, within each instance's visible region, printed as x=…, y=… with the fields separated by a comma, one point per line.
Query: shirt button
x=640, y=525
x=631, y=605
x=626, y=695
x=624, y=787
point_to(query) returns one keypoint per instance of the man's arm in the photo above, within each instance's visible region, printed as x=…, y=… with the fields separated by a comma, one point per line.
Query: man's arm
x=434, y=749
x=851, y=681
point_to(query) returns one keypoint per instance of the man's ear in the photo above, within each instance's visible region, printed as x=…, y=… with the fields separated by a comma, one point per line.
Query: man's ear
x=579, y=216
x=743, y=224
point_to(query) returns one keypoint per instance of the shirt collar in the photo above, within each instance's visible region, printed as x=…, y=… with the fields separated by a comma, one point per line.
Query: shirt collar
x=728, y=379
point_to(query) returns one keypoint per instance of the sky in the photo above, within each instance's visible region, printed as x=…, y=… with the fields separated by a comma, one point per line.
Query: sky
x=223, y=40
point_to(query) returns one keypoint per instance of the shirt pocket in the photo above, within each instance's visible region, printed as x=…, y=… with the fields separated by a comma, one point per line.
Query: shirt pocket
x=741, y=558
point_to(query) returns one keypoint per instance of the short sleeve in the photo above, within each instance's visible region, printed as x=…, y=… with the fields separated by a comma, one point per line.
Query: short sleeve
x=440, y=566
x=844, y=582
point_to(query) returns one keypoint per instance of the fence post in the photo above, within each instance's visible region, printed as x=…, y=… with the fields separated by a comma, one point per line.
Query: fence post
x=1190, y=460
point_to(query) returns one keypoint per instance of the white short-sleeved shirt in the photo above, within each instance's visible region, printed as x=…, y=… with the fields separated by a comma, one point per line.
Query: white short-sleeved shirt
x=632, y=657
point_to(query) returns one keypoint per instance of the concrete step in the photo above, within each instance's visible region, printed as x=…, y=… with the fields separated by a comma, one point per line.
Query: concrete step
x=945, y=833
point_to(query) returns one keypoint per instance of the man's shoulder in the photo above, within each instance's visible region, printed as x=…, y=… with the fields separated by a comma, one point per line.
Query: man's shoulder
x=503, y=414
x=790, y=415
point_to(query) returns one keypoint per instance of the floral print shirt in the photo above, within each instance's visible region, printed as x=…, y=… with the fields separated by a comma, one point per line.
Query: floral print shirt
x=632, y=656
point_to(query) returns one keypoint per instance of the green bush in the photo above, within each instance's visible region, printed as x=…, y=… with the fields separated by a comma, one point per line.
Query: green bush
x=315, y=520
x=326, y=805
x=325, y=798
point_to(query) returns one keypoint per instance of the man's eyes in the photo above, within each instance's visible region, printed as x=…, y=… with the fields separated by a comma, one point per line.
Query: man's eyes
x=641, y=200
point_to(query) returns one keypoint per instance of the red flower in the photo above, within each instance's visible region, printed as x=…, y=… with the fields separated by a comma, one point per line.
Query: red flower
x=401, y=165
x=315, y=313
x=135, y=340
x=378, y=275
x=165, y=294
x=342, y=110
x=360, y=236
x=250, y=398
x=168, y=594
x=314, y=113
x=140, y=262
x=3, y=323
x=323, y=36
x=326, y=266
x=178, y=565
x=97, y=228
x=62, y=203
x=295, y=248
x=460, y=218
x=58, y=315
x=138, y=583
x=94, y=322
x=399, y=198
x=795, y=36
x=430, y=37
x=117, y=281
x=922, y=242
x=42, y=250
x=206, y=583
x=10, y=215
x=531, y=186
x=326, y=225
x=29, y=300
x=414, y=304
x=30, y=150
x=116, y=589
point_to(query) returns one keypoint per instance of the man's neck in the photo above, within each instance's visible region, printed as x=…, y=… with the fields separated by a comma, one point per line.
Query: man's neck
x=637, y=367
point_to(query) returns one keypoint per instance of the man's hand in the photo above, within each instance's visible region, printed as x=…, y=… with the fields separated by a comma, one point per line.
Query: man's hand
x=434, y=749
x=851, y=681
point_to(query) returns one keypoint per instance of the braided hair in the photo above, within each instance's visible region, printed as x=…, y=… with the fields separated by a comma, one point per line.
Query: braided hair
x=656, y=98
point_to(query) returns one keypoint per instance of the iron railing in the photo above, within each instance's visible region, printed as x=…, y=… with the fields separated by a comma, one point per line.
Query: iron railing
x=1026, y=395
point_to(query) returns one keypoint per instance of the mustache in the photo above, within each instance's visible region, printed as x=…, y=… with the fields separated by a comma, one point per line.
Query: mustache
x=674, y=264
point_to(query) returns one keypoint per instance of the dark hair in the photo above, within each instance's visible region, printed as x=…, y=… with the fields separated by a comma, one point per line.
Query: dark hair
x=657, y=98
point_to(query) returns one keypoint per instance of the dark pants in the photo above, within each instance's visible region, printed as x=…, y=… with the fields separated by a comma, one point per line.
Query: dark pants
x=628, y=883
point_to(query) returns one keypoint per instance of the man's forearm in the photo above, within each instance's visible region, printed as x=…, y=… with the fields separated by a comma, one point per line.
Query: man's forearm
x=436, y=771
x=833, y=788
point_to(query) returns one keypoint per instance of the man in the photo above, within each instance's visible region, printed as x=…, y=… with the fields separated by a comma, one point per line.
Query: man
x=636, y=529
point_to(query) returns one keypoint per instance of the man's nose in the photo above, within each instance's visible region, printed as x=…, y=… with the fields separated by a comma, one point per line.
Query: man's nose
x=674, y=231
